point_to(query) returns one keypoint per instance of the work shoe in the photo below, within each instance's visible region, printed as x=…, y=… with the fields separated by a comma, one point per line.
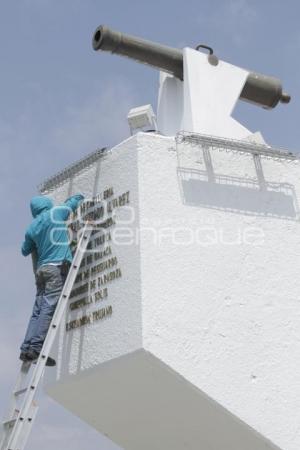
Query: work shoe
x=32, y=356
x=23, y=356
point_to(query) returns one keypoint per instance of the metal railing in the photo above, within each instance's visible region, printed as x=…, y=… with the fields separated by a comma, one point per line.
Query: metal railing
x=234, y=145
x=59, y=178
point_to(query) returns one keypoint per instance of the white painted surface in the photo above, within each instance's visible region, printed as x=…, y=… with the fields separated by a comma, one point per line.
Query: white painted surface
x=80, y=349
x=139, y=402
x=210, y=95
x=204, y=101
x=221, y=313
x=170, y=104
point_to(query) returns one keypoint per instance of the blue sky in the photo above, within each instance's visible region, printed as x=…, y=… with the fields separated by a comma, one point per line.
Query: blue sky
x=60, y=100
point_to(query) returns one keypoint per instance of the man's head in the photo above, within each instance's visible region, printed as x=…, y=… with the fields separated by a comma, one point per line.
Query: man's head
x=39, y=204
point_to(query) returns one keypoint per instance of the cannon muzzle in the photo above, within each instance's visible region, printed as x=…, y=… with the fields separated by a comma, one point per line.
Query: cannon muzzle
x=259, y=89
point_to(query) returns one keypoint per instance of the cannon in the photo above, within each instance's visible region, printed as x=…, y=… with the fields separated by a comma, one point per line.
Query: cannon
x=261, y=90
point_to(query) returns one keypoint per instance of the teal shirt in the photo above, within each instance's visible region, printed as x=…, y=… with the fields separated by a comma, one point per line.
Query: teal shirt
x=48, y=234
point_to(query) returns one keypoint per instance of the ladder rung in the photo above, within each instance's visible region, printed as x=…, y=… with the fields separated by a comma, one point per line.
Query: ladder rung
x=9, y=423
x=20, y=391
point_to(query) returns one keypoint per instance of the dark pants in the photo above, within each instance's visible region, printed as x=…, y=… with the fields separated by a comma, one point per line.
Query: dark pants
x=49, y=284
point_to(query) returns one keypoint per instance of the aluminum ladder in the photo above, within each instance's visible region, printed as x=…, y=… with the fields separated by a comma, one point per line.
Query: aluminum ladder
x=16, y=428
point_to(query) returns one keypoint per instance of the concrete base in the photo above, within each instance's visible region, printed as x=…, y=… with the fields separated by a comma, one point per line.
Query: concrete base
x=203, y=324
x=141, y=403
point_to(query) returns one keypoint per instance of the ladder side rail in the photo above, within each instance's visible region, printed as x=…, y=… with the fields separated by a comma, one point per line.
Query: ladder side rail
x=41, y=362
x=27, y=427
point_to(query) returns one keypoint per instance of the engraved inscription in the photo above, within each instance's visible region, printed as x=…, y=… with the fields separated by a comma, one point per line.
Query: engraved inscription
x=100, y=266
x=95, y=316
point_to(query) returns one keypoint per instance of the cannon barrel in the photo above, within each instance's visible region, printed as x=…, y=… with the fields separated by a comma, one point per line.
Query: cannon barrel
x=259, y=89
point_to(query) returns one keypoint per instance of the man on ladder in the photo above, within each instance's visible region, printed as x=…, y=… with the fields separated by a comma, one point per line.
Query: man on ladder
x=47, y=240
x=47, y=236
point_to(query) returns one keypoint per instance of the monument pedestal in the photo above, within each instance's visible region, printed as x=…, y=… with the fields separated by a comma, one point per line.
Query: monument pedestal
x=183, y=326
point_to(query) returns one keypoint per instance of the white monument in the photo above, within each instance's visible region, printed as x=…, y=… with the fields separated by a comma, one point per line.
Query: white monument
x=183, y=327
